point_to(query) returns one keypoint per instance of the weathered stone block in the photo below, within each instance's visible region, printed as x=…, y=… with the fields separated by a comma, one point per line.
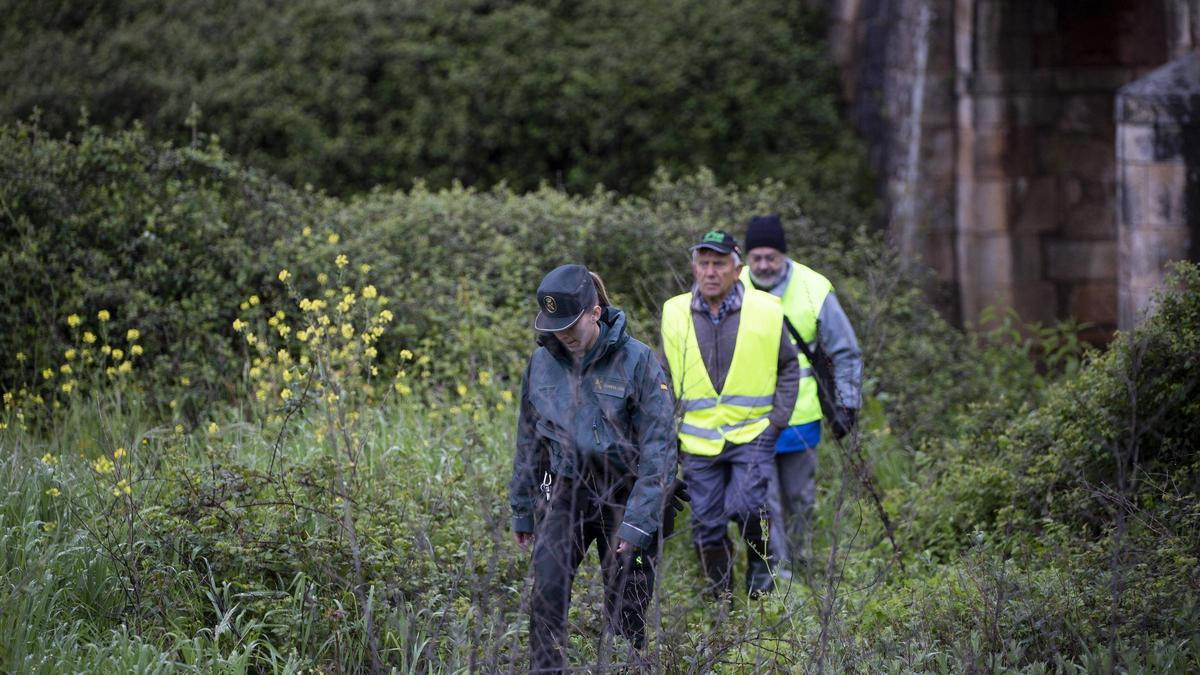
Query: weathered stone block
x=1094, y=302
x=1076, y=154
x=1081, y=260
x=991, y=208
x=1036, y=301
x=987, y=261
x=1091, y=220
x=1087, y=113
x=1151, y=248
x=1094, y=80
x=1027, y=259
x=1165, y=193
x=1131, y=194
x=1037, y=207
x=1135, y=142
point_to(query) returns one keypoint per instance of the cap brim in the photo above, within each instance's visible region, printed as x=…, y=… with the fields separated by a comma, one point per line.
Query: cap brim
x=548, y=324
x=712, y=247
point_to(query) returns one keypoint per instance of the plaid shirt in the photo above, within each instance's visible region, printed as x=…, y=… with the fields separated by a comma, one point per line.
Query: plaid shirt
x=731, y=303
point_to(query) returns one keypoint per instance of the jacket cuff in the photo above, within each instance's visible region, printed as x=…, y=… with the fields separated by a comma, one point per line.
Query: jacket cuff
x=522, y=523
x=636, y=536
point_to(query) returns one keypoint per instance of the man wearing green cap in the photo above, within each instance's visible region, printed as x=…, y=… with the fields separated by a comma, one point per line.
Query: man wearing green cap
x=734, y=374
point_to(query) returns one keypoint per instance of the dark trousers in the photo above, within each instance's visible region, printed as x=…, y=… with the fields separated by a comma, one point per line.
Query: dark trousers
x=580, y=512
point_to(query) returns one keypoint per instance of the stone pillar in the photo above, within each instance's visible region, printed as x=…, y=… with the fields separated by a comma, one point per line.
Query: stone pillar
x=1158, y=179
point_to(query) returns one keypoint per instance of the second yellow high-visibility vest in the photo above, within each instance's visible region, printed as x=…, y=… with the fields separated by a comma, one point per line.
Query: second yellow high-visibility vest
x=738, y=413
x=802, y=301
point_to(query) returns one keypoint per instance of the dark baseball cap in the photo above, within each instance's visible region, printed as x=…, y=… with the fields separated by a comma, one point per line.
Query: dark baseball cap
x=563, y=296
x=719, y=241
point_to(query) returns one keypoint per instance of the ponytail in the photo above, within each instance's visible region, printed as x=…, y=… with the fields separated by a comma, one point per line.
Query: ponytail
x=601, y=292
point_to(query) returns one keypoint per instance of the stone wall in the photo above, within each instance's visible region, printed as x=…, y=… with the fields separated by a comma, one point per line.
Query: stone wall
x=991, y=126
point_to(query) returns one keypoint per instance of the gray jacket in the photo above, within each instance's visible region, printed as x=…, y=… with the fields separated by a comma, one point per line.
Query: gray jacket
x=835, y=337
x=717, y=341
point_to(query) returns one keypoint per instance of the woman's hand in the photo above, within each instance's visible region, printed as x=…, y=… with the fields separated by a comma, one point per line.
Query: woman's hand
x=524, y=538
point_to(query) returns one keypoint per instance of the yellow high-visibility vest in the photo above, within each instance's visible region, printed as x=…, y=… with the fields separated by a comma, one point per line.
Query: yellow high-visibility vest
x=802, y=300
x=738, y=414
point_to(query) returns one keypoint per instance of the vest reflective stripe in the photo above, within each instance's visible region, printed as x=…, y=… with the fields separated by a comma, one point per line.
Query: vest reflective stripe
x=738, y=414
x=802, y=301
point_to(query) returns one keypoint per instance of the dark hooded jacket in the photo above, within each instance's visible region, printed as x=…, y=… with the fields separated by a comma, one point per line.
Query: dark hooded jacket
x=610, y=416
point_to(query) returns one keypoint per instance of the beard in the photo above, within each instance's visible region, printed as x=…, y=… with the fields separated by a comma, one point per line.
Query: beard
x=768, y=279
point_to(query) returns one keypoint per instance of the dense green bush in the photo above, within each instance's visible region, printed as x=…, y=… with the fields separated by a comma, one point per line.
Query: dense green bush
x=347, y=96
x=172, y=240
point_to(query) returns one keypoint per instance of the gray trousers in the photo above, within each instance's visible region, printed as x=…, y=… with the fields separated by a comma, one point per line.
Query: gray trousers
x=790, y=500
x=734, y=485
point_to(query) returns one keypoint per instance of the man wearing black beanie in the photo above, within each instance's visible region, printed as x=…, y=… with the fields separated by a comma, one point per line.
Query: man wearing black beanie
x=822, y=333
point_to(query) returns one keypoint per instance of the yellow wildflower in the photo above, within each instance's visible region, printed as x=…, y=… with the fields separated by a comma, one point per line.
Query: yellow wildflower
x=69, y=354
x=253, y=300
x=132, y=334
x=369, y=292
x=406, y=355
x=89, y=337
x=185, y=380
x=322, y=278
x=49, y=459
x=238, y=325
x=125, y=367
x=285, y=394
x=283, y=275
x=49, y=526
x=136, y=350
x=284, y=329
x=122, y=488
x=347, y=331
x=65, y=369
x=20, y=356
x=119, y=453
x=213, y=428
x=403, y=389
x=74, y=320
x=103, y=465
x=103, y=315
x=341, y=260
x=302, y=335
x=364, y=268
x=105, y=349
x=178, y=429
x=260, y=394
x=118, y=354
x=110, y=371
x=507, y=395
x=250, y=339
x=68, y=386
x=371, y=352
x=461, y=389
x=53, y=492
x=306, y=232
x=47, y=373
x=333, y=238
x=485, y=378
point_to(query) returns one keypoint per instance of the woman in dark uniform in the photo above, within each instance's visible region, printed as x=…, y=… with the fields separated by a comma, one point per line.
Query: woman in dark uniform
x=595, y=454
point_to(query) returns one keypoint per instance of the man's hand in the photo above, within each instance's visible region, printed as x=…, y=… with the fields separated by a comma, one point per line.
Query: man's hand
x=847, y=419
x=623, y=547
x=524, y=538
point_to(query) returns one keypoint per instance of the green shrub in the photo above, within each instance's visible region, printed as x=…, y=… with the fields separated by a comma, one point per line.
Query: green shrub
x=347, y=96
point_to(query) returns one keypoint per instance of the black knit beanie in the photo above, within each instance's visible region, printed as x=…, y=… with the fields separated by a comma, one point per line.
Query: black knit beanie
x=765, y=231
